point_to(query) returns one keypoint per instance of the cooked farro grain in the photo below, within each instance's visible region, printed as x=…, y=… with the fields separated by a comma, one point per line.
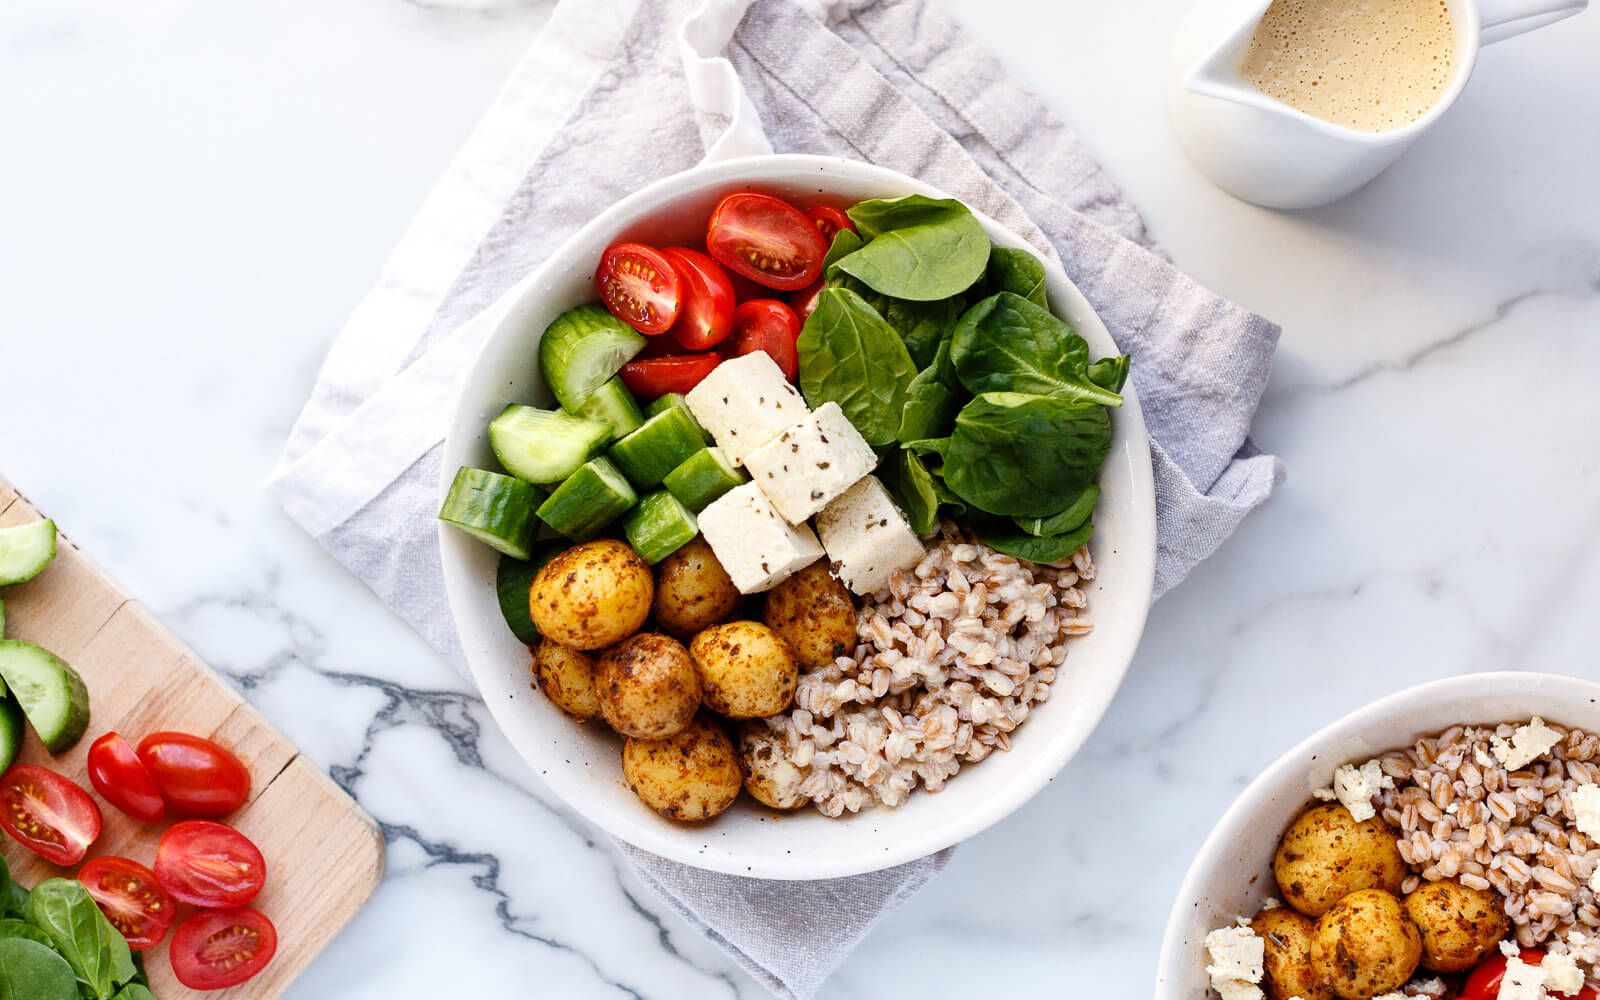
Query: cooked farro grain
x=954, y=654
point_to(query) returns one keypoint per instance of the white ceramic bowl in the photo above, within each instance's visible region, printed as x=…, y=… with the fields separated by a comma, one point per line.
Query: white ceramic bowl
x=1232, y=874
x=582, y=763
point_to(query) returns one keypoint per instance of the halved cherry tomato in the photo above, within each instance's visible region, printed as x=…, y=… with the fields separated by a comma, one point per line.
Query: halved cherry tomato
x=707, y=313
x=767, y=240
x=654, y=377
x=768, y=325
x=830, y=220
x=640, y=287
x=209, y=864
x=47, y=814
x=804, y=302
x=1484, y=983
x=131, y=898
x=117, y=773
x=196, y=776
x=218, y=948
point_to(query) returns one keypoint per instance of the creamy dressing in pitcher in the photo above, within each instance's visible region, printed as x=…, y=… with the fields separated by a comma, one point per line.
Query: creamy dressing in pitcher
x=1369, y=65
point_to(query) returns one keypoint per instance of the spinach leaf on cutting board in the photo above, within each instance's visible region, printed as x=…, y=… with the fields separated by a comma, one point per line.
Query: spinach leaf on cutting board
x=1025, y=455
x=96, y=951
x=1007, y=344
x=917, y=248
x=848, y=354
x=1016, y=271
x=31, y=971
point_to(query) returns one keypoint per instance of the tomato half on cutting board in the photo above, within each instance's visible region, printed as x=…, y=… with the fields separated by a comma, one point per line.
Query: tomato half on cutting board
x=215, y=949
x=196, y=777
x=640, y=287
x=767, y=240
x=768, y=325
x=131, y=898
x=209, y=864
x=117, y=773
x=47, y=814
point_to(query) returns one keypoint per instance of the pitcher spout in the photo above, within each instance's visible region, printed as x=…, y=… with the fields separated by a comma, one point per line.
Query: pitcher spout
x=1216, y=74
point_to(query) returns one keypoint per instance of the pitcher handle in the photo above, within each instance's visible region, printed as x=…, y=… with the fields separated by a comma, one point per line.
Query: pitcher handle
x=1502, y=19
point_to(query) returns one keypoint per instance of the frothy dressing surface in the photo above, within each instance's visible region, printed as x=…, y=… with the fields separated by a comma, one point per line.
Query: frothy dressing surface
x=1369, y=65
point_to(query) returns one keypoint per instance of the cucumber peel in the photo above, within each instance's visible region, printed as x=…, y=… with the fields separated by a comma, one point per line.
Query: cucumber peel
x=581, y=350
x=52, y=695
x=495, y=509
x=25, y=550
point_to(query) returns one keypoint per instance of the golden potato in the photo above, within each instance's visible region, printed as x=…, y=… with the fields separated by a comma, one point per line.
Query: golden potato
x=1365, y=945
x=1458, y=925
x=647, y=685
x=813, y=613
x=1286, y=966
x=745, y=670
x=591, y=595
x=1325, y=855
x=691, y=775
x=566, y=677
x=769, y=776
x=693, y=591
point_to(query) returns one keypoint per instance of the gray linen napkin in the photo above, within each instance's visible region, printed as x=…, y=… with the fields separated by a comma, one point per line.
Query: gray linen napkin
x=617, y=93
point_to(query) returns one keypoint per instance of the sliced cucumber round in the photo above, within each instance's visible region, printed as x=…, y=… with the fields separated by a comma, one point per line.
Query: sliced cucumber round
x=544, y=446
x=495, y=509
x=581, y=350
x=51, y=694
x=25, y=550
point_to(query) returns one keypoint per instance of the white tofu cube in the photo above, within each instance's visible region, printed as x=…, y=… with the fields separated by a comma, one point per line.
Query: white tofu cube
x=753, y=542
x=811, y=463
x=745, y=403
x=867, y=537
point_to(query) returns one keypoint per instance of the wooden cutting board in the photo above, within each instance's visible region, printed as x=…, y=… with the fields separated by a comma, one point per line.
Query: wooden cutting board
x=324, y=854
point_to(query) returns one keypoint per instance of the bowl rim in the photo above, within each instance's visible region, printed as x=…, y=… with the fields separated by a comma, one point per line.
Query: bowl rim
x=1137, y=562
x=1221, y=842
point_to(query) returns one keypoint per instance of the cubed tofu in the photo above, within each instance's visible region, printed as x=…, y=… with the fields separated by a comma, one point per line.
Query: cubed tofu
x=753, y=542
x=867, y=537
x=745, y=403
x=810, y=464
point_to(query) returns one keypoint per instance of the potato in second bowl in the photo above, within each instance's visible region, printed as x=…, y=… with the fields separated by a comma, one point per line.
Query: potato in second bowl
x=689, y=776
x=1325, y=855
x=746, y=670
x=648, y=688
x=591, y=595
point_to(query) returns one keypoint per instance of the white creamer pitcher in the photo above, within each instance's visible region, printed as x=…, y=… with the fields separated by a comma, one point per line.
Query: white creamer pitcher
x=1264, y=151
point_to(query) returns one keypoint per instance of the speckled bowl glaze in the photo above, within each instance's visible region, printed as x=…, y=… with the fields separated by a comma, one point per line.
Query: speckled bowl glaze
x=581, y=763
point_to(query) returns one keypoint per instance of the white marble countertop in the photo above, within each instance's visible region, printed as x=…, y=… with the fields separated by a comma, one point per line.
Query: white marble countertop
x=194, y=194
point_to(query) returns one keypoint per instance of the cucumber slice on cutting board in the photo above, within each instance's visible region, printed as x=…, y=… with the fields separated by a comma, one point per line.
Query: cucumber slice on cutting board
x=51, y=694
x=659, y=526
x=10, y=731
x=495, y=509
x=703, y=476
x=512, y=581
x=613, y=405
x=581, y=350
x=25, y=550
x=544, y=446
x=590, y=499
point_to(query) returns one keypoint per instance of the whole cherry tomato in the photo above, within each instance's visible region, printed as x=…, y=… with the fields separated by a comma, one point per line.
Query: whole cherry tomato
x=640, y=287
x=767, y=240
x=196, y=776
x=47, y=814
x=219, y=948
x=121, y=778
x=209, y=864
x=768, y=325
x=131, y=898
x=706, y=316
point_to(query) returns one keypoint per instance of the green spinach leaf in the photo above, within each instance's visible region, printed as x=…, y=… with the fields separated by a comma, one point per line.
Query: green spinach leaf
x=12, y=896
x=922, y=325
x=10, y=927
x=912, y=485
x=933, y=399
x=848, y=354
x=930, y=446
x=948, y=501
x=1051, y=549
x=1110, y=373
x=1025, y=455
x=917, y=248
x=96, y=951
x=844, y=243
x=1073, y=515
x=1019, y=272
x=31, y=971
x=134, y=991
x=1007, y=344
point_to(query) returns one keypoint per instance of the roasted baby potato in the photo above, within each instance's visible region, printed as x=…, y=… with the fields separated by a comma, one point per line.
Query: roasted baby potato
x=693, y=591
x=1459, y=925
x=591, y=595
x=1286, y=967
x=769, y=776
x=691, y=775
x=1325, y=855
x=813, y=613
x=1365, y=945
x=746, y=671
x=566, y=677
x=647, y=686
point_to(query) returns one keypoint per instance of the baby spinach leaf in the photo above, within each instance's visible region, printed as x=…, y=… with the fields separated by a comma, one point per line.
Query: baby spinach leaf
x=31, y=971
x=1007, y=344
x=96, y=951
x=1025, y=455
x=929, y=446
x=12, y=896
x=932, y=399
x=948, y=501
x=1019, y=272
x=850, y=355
x=1051, y=549
x=844, y=243
x=912, y=485
x=134, y=991
x=1073, y=515
x=922, y=325
x=918, y=248
x=10, y=927
x=1110, y=373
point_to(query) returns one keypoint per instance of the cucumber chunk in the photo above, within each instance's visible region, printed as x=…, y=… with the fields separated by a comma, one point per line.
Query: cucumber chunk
x=659, y=526
x=613, y=405
x=703, y=476
x=10, y=731
x=676, y=401
x=590, y=499
x=51, y=694
x=495, y=509
x=544, y=446
x=664, y=442
x=512, y=581
x=581, y=350
x=25, y=550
